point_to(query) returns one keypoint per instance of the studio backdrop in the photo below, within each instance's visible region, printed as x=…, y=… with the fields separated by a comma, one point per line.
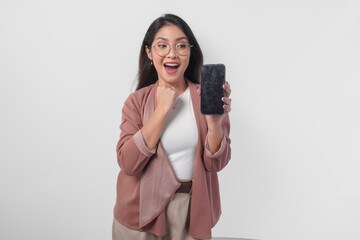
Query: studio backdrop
x=66, y=68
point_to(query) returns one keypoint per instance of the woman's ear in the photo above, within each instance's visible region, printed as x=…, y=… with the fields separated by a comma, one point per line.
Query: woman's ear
x=148, y=52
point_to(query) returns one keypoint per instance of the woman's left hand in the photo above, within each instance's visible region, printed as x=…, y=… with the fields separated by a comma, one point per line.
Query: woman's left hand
x=213, y=120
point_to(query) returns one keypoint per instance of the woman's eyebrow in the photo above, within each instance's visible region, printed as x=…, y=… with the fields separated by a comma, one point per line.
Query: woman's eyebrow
x=165, y=39
x=181, y=38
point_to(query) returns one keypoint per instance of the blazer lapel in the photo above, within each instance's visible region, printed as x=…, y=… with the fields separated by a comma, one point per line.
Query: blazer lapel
x=158, y=182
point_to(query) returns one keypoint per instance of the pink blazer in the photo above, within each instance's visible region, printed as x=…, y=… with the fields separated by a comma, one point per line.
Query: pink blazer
x=147, y=181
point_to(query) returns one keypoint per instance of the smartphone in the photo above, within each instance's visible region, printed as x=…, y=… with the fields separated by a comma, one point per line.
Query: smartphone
x=211, y=81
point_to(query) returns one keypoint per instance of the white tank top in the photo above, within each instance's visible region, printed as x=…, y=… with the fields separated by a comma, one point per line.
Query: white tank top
x=180, y=136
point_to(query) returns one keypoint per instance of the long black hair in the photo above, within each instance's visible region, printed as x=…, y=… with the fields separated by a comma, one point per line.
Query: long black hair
x=147, y=74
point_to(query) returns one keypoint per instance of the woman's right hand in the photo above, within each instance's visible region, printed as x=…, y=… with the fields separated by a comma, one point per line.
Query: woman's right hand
x=165, y=98
x=151, y=131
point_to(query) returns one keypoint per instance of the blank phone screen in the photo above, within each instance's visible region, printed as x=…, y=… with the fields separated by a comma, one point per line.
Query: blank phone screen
x=212, y=80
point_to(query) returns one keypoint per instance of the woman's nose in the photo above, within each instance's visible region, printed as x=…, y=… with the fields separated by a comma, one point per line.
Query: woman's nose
x=172, y=52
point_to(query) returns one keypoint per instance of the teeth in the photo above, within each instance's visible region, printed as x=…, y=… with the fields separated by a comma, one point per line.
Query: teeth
x=172, y=64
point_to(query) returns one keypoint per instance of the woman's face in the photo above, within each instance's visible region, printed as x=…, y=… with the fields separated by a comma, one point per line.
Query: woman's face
x=171, y=67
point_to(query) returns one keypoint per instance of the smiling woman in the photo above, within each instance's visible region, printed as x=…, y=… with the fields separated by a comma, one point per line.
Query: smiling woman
x=168, y=152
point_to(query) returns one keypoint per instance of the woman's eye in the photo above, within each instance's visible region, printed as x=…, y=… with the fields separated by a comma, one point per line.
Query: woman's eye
x=181, y=45
x=161, y=45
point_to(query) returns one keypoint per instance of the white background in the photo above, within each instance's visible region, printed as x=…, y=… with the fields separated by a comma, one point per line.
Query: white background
x=67, y=66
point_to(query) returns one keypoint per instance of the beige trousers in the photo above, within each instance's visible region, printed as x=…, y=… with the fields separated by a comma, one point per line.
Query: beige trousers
x=177, y=221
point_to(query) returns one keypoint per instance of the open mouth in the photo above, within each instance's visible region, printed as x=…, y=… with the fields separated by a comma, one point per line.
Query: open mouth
x=171, y=67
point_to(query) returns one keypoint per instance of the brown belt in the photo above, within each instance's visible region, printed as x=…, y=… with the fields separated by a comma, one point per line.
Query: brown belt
x=185, y=187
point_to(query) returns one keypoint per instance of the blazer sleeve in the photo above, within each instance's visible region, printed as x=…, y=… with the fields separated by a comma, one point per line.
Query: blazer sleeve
x=218, y=160
x=132, y=152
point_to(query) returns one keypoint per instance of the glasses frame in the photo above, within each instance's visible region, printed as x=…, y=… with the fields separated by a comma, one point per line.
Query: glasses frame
x=175, y=49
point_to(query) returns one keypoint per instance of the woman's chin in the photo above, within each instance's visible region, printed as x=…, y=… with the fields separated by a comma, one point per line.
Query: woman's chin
x=172, y=78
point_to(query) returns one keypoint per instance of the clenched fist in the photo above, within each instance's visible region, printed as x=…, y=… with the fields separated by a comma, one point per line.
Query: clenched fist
x=165, y=97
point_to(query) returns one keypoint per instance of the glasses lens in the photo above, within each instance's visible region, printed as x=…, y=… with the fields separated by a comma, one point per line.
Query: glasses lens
x=182, y=49
x=162, y=49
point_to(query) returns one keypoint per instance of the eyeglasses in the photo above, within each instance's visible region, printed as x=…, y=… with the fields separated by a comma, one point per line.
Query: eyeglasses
x=163, y=49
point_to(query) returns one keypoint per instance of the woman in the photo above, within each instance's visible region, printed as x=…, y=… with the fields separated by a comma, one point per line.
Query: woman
x=168, y=152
